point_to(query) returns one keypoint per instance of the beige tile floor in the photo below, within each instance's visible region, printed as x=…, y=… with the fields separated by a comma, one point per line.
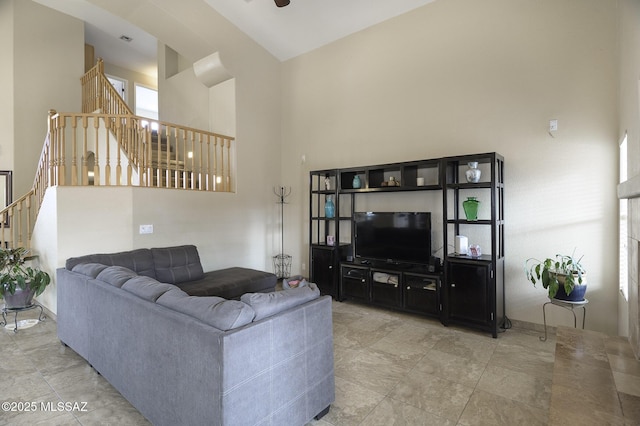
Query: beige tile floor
x=390, y=368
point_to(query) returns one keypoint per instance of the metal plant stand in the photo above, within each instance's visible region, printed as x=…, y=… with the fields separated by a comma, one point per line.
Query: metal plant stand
x=15, y=311
x=568, y=305
x=282, y=261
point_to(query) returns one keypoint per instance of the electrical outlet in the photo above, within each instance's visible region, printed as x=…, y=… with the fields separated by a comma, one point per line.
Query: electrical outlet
x=146, y=229
x=304, y=266
x=553, y=125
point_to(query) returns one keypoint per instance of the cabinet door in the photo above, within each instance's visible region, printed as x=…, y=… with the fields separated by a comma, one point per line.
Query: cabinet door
x=355, y=283
x=323, y=271
x=385, y=289
x=421, y=293
x=468, y=291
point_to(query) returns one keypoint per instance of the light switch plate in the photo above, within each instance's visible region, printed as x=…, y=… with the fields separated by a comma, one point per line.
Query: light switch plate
x=146, y=229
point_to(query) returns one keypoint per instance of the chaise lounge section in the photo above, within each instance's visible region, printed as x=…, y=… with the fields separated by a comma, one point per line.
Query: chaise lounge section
x=266, y=359
x=180, y=265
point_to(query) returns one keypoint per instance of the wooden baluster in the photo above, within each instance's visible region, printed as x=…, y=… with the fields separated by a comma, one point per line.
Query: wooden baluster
x=119, y=134
x=228, y=176
x=174, y=170
x=215, y=163
x=223, y=172
x=12, y=227
x=132, y=149
x=158, y=159
x=149, y=157
x=201, y=184
x=184, y=169
x=3, y=224
x=52, y=135
x=107, y=167
x=168, y=156
x=85, y=154
x=28, y=219
x=209, y=171
x=96, y=153
x=192, y=169
x=176, y=155
x=19, y=225
x=74, y=155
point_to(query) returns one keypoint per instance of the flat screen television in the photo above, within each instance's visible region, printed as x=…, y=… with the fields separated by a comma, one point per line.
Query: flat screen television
x=393, y=236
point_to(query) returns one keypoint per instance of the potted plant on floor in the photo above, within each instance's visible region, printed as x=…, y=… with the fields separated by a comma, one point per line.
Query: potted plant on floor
x=20, y=283
x=563, y=275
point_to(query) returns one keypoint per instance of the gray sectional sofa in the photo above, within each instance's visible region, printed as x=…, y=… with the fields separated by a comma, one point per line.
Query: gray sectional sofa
x=265, y=359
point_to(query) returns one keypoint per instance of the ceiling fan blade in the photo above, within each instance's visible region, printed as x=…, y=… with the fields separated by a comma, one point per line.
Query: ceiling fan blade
x=282, y=3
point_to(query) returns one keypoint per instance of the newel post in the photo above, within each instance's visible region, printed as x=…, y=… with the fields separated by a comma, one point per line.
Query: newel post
x=52, y=155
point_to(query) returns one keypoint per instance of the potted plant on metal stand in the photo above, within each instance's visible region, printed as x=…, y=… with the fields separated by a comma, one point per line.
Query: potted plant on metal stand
x=563, y=275
x=20, y=283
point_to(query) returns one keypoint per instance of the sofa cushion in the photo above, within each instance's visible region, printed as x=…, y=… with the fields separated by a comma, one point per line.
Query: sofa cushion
x=231, y=283
x=147, y=288
x=115, y=275
x=89, y=269
x=267, y=304
x=215, y=311
x=139, y=261
x=177, y=264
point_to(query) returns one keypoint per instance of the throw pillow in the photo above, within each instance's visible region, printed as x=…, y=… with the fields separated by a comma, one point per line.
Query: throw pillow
x=267, y=304
x=220, y=313
x=147, y=288
x=116, y=275
x=89, y=269
x=176, y=265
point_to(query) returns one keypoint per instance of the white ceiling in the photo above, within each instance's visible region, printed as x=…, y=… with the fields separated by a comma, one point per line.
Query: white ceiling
x=286, y=32
x=305, y=25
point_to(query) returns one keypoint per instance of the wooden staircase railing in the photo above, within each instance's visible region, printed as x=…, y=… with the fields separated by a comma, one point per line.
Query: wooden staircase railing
x=99, y=95
x=108, y=145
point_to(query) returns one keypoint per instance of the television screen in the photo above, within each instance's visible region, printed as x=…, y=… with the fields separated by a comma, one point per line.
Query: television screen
x=393, y=236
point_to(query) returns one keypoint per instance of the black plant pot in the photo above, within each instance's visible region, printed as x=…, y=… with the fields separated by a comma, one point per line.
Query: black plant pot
x=577, y=295
x=20, y=299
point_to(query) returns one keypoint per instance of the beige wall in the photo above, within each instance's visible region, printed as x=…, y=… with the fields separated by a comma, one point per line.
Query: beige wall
x=630, y=123
x=48, y=61
x=461, y=76
x=6, y=85
x=108, y=220
x=42, y=62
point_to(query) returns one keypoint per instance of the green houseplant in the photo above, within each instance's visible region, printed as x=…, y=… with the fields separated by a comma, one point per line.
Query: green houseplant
x=20, y=283
x=560, y=275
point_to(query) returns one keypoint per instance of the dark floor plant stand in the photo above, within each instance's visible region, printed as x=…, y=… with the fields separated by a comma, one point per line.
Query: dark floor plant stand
x=568, y=305
x=282, y=261
x=15, y=311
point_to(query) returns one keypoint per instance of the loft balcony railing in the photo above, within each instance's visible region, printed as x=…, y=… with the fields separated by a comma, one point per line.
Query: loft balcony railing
x=107, y=145
x=121, y=149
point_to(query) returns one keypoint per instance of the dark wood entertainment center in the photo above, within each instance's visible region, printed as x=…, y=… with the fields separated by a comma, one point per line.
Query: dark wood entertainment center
x=458, y=289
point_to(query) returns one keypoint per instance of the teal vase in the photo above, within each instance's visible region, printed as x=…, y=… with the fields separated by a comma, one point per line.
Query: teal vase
x=356, y=184
x=470, y=206
x=329, y=208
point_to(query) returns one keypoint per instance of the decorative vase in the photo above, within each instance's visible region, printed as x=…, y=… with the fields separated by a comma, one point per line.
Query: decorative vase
x=473, y=173
x=577, y=295
x=329, y=208
x=19, y=299
x=356, y=182
x=470, y=206
x=578, y=292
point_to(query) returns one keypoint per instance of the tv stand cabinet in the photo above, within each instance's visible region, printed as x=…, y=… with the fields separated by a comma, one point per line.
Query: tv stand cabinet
x=406, y=287
x=469, y=291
